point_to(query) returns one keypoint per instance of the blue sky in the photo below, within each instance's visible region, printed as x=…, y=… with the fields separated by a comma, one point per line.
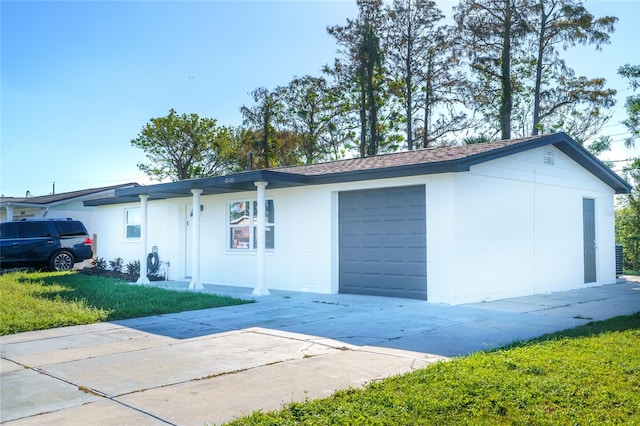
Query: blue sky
x=81, y=78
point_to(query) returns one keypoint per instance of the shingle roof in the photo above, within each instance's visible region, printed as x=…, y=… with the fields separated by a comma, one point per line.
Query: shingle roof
x=407, y=158
x=64, y=196
x=409, y=163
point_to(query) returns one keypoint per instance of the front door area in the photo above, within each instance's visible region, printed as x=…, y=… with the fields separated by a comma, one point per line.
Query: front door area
x=589, y=239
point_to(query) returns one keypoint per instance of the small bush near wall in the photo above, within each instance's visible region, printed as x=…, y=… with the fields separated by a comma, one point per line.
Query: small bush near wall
x=130, y=272
x=133, y=268
x=99, y=264
x=116, y=264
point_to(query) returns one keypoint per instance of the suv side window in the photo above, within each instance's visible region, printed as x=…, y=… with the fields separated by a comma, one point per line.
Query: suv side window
x=70, y=229
x=34, y=230
x=9, y=230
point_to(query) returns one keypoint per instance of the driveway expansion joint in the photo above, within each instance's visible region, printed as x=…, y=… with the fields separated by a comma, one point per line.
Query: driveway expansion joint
x=88, y=390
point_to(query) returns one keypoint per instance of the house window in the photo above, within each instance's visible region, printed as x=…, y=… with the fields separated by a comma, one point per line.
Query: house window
x=243, y=223
x=132, y=223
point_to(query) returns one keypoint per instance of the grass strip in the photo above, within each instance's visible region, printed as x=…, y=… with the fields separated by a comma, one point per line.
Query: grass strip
x=37, y=300
x=586, y=375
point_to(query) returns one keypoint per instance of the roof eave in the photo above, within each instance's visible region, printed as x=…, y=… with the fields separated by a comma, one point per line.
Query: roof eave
x=245, y=181
x=583, y=157
x=239, y=182
x=569, y=147
x=388, y=172
x=22, y=204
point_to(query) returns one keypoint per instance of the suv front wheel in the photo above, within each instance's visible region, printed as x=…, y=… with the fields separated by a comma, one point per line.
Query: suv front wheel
x=61, y=261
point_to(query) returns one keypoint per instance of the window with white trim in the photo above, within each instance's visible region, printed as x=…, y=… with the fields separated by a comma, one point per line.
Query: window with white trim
x=243, y=223
x=132, y=223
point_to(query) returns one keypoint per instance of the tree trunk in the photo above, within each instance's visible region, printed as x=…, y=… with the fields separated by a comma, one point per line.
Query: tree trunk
x=363, y=113
x=427, y=106
x=538, y=83
x=265, y=139
x=506, y=104
x=373, y=115
x=408, y=82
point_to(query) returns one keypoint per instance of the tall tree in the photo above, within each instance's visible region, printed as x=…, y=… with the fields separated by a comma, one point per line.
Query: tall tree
x=628, y=215
x=492, y=31
x=632, y=104
x=410, y=41
x=424, y=69
x=627, y=219
x=312, y=109
x=264, y=117
x=359, y=42
x=565, y=23
x=283, y=152
x=185, y=146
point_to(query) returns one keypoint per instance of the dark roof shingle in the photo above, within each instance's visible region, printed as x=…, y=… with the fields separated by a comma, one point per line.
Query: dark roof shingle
x=409, y=163
x=407, y=158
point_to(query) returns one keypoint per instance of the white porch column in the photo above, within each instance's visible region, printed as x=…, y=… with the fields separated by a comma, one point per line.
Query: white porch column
x=195, y=241
x=9, y=208
x=143, y=279
x=261, y=289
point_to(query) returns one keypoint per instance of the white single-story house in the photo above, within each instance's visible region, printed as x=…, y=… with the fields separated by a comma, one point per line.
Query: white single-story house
x=447, y=225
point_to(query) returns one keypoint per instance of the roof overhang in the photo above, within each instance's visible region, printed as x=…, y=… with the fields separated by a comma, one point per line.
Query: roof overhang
x=560, y=140
x=245, y=181
x=21, y=204
x=239, y=182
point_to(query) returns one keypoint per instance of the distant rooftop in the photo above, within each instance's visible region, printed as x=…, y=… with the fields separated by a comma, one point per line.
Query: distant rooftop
x=63, y=196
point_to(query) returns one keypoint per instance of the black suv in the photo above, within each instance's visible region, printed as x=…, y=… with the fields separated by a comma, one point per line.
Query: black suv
x=55, y=243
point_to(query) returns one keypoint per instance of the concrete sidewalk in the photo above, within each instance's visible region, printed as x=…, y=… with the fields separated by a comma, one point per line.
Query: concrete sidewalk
x=210, y=366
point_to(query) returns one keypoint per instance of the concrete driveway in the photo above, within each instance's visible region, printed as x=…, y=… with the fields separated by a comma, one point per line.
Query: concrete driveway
x=210, y=366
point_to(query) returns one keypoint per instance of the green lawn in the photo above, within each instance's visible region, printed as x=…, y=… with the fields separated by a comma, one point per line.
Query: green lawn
x=38, y=300
x=586, y=375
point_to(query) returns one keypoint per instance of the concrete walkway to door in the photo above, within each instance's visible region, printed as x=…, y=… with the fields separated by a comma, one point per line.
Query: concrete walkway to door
x=212, y=365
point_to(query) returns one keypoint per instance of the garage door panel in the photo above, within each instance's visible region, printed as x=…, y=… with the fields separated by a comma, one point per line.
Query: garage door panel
x=371, y=201
x=406, y=255
x=383, y=242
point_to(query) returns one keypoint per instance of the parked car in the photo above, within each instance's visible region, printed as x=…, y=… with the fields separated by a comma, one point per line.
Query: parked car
x=53, y=243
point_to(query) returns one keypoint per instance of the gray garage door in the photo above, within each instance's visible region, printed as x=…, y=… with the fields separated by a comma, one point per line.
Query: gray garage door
x=383, y=242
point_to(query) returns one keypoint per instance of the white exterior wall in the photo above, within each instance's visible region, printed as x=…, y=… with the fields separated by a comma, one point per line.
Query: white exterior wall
x=110, y=234
x=509, y=227
x=516, y=227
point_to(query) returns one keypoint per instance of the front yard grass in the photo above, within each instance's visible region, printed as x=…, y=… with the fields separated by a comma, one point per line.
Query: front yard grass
x=41, y=300
x=586, y=375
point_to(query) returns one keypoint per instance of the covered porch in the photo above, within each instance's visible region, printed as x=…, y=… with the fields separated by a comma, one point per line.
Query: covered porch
x=257, y=181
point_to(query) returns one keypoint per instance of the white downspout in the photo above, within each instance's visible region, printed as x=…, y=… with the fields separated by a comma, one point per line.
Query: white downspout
x=143, y=279
x=195, y=241
x=261, y=289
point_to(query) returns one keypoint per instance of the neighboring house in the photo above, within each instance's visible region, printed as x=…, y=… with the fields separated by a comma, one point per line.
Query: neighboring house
x=447, y=225
x=66, y=204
